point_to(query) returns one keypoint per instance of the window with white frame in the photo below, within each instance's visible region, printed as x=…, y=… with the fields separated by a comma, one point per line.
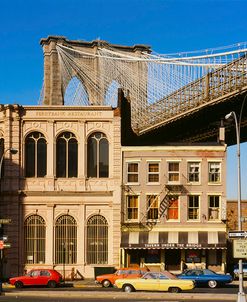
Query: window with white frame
x=193, y=171
x=132, y=172
x=132, y=207
x=193, y=207
x=152, y=206
x=214, y=172
x=153, y=172
x=173, y=171
x=173, y=209
x=214, y=207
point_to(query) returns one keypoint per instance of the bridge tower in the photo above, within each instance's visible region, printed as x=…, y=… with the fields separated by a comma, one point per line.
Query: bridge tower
x=54, y=83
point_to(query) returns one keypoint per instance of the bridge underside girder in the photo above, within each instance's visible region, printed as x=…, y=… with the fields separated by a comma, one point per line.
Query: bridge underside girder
x=201, y=126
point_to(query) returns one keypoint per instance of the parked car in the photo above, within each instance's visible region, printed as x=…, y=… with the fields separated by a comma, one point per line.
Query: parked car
x=236, y=271
x=108, y=280
x=206, y=277
x=35, y=277
x=155, y=281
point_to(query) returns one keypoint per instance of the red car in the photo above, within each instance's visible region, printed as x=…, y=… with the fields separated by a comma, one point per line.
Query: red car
x=45, y=277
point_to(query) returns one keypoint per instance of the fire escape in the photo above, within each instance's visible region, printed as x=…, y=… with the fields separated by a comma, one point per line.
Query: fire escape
x=169, y=193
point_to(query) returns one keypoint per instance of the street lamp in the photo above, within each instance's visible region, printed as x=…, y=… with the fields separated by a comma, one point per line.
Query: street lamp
x=12, y=151
x=232, y=114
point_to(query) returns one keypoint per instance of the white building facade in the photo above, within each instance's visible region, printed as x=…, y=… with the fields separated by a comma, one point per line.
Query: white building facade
x=62, y=190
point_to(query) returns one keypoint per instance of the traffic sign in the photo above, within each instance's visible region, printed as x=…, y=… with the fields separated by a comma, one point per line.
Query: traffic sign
x=5, y=221
x=237, y=234
x=239, y=248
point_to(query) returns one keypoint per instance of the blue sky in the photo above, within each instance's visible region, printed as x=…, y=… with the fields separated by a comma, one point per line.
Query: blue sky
x=166, y=25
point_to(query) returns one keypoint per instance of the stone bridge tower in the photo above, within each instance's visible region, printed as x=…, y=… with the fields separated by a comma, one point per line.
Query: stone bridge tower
x=53, y=93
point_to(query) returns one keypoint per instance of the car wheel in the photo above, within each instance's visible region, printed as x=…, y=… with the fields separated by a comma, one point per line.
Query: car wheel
x=127, y=288
x=212, y=283
x=106, y=283
x=18, y=284
x=174, y=289
x=52, y=284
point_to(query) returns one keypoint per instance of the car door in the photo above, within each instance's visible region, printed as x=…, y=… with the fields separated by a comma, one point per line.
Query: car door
x=44, y=277
x=32, y=278
x=150, y=282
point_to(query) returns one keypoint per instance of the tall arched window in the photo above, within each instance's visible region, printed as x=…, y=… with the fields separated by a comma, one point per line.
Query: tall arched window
x=97, y=240
x=65, y=240
x=35, y=155
x=67, y=155
x=97, y=155
x=34, y=239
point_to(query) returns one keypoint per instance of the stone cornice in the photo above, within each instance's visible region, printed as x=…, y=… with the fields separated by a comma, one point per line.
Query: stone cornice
x=63, y=193
x=92, y=44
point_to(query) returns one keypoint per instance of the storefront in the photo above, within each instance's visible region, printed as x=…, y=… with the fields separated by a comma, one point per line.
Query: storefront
x=167, y=250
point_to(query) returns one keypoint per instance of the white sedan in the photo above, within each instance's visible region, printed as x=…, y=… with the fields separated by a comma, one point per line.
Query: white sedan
x=155, y=281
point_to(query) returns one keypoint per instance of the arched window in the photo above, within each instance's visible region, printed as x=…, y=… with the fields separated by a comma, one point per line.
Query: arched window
x=67, y=155
x=65, y=240
x=35, y=155
x=34, y=239
x=97, y=240
x=97, y=155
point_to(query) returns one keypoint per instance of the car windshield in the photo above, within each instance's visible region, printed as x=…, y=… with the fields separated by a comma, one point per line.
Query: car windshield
x=209, y=272
x=159, y=275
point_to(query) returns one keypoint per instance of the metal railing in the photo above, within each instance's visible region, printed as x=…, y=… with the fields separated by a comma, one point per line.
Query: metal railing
x=217, y=86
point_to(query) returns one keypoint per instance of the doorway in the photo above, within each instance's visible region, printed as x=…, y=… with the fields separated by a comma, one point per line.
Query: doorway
x=172, y=259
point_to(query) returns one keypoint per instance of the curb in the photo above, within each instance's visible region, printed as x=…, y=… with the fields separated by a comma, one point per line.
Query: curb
x=126, y=296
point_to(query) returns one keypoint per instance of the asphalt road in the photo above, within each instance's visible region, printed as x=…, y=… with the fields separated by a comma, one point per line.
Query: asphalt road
x=99, y=294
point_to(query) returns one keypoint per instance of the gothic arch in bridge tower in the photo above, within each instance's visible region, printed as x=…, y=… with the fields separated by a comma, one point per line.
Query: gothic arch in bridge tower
x=61, y=64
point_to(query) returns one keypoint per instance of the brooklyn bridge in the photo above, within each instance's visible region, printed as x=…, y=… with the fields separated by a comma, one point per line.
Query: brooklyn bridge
x=180, y=97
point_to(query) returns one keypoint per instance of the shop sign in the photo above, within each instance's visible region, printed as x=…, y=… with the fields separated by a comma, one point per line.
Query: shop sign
x=172, y=245
x=239, y=248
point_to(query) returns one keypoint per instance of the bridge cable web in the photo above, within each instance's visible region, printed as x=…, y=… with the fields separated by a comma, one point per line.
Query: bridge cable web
x=152, y=81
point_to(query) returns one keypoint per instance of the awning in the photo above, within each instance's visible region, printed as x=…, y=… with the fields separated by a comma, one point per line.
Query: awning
x=174, y=240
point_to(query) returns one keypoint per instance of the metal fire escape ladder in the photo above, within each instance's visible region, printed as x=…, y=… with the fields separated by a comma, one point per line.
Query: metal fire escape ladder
x=171, y=192
x=164, y=204
x=145, y=215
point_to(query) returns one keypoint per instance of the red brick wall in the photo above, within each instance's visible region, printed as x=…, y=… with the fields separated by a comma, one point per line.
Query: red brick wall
x=232, y=214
